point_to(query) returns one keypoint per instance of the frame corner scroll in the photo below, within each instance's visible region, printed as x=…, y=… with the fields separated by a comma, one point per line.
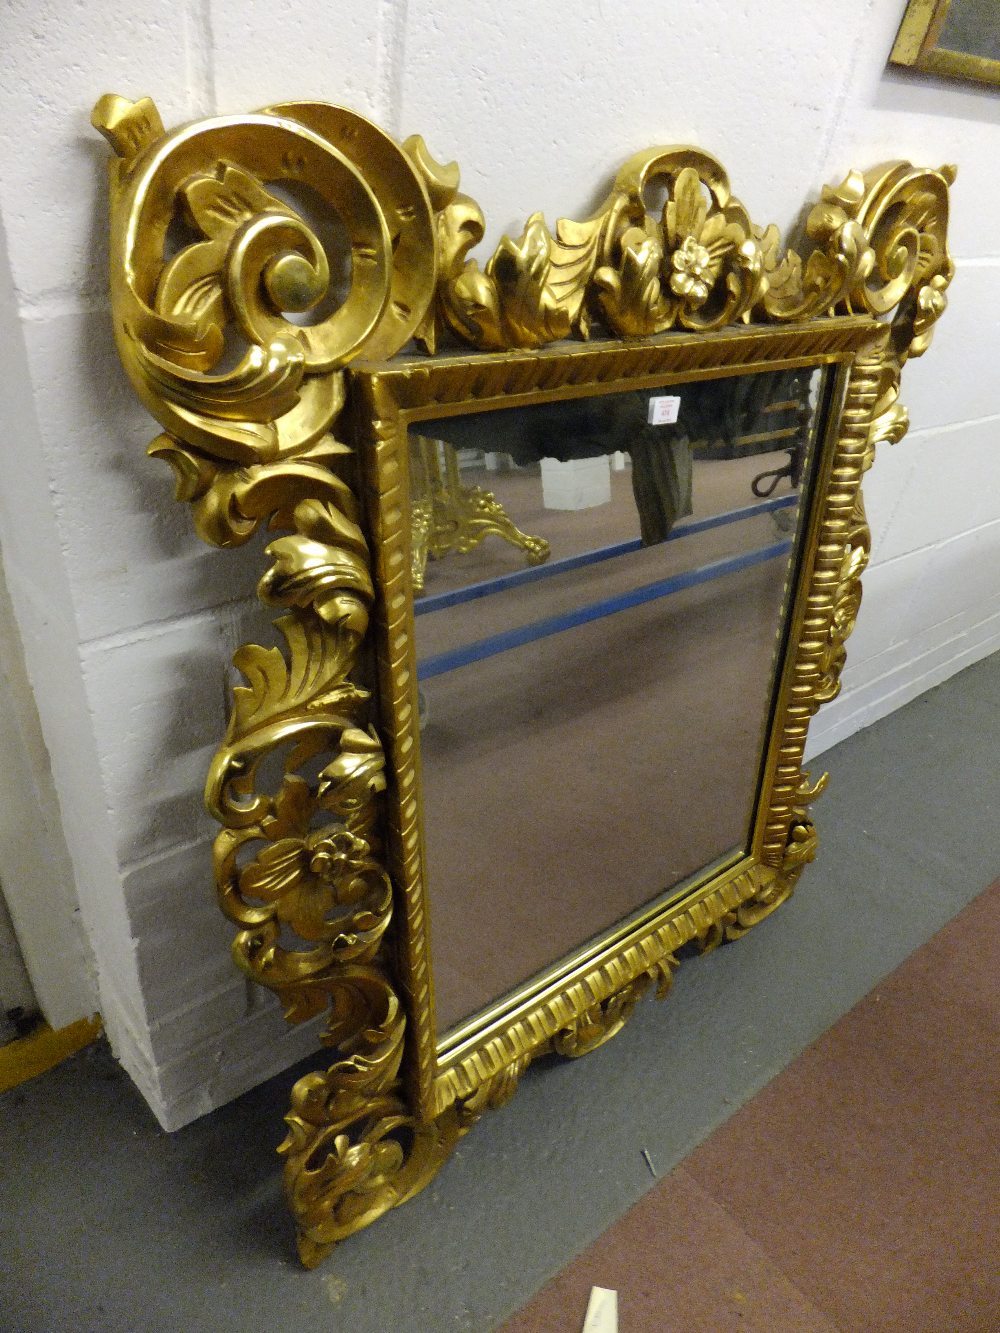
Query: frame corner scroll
x=238, y=343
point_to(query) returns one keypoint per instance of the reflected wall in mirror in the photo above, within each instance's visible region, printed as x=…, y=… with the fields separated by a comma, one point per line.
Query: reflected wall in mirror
x=566, y=551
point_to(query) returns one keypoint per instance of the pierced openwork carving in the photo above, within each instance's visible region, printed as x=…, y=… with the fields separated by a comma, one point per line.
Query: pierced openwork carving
x=237, y=326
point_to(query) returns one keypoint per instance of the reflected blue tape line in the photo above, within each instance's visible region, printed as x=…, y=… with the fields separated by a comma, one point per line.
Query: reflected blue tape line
x=439, y=601
x=541, y=629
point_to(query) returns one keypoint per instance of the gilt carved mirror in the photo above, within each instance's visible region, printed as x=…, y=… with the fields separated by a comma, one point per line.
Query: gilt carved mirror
x=566, y=552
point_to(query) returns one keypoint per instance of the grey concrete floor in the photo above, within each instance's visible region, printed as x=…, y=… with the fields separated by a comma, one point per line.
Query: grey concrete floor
x=109, y=1224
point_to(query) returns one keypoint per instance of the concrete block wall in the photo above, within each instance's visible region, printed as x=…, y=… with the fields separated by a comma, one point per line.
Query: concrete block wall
x=128, y=623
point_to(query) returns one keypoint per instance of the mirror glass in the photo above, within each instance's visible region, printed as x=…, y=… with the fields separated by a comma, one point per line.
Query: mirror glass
x=972, y=27
x=600, y=585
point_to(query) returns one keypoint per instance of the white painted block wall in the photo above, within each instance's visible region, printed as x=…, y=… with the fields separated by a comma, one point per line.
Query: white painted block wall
x=128, y=623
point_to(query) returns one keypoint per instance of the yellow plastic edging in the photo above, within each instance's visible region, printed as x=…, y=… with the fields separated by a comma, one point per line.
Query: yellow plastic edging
x=43, y=1049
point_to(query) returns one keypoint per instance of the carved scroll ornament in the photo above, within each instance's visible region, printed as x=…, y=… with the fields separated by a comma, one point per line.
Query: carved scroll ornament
x=237, y=339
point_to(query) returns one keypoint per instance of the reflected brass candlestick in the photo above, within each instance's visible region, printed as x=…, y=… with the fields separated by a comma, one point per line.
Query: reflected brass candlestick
x=448, y=516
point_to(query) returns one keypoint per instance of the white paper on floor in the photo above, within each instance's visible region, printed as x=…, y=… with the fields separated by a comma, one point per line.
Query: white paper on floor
x=602, y=1311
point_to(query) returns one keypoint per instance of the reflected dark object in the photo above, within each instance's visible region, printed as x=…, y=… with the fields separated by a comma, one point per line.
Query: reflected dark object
x=723, y=418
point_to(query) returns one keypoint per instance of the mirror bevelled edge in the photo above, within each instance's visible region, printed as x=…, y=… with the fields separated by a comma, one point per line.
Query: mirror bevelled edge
x=251, y=440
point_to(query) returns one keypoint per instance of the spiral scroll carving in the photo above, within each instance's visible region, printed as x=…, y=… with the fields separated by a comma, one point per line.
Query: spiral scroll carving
x=874, y=243
x=235, y=323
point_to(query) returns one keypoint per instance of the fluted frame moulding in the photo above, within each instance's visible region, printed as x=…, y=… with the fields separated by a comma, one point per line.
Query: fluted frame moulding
x=304, y=433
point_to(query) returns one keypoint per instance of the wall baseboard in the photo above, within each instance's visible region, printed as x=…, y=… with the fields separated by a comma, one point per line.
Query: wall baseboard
x=43, y=1049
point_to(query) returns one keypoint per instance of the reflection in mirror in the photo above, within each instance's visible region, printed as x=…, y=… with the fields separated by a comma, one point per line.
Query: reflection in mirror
x=600, y=589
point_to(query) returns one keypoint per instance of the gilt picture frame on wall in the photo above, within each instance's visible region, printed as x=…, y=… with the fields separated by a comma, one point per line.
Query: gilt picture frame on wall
x=567, y=549
x=956, y=39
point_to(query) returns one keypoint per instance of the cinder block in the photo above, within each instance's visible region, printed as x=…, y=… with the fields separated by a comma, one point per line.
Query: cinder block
x=519, y=155
x=934, y=486
x=130, y=551
x=56, y=61
x=887, y=592
x=330, y=53
x=956, y=380
x=961, y=575
x=226, y=1064
x=182, y=940
x=236, y=1077
x=157, y=704
x=210, y=1016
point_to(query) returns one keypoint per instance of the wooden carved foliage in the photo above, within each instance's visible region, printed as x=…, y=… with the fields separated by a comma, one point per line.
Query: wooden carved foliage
x=235, y=325
x=300, y=870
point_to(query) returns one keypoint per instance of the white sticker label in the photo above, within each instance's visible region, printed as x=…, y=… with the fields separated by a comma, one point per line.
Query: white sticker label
x=663, y=410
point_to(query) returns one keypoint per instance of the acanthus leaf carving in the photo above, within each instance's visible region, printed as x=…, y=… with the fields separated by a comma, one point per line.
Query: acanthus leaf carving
x=354, y=1147
x=703, y=265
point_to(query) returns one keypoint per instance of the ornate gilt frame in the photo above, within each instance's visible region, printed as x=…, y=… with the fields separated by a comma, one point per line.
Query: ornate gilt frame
x=332, y=915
